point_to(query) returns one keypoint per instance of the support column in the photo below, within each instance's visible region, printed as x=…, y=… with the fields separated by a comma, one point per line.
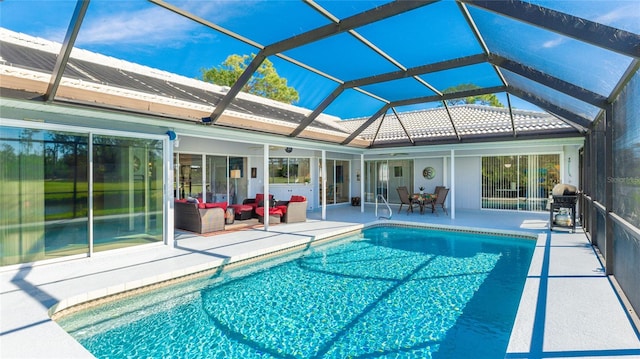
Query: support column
x=452, y=186
x=90, y=194
x=608, y=189
x=169, y=180
x=324, y=185
x=265, y=179
x=362, y=197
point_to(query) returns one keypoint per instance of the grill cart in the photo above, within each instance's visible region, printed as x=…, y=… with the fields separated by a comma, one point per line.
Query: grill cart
x=562, y=209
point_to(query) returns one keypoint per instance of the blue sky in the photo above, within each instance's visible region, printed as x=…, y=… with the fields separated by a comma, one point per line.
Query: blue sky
x=141, y=32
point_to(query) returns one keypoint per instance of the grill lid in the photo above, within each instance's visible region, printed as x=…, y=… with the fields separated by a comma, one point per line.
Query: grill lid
x=563, y=189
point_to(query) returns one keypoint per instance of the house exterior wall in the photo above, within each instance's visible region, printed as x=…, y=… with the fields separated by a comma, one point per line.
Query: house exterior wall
x=429, y=184
x=203, y=140
x=468, y=182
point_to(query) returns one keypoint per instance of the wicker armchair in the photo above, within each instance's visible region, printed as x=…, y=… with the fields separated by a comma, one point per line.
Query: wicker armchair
x=189, y=217
x=294, y=210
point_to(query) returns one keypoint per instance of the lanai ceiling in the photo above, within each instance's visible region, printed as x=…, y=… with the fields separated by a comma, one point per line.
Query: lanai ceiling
x=375, y=60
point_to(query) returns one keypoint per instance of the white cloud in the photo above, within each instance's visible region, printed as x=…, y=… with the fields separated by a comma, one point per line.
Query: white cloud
x=552, y=43
x=149, y=25
x=145, y=26
x=625, y=12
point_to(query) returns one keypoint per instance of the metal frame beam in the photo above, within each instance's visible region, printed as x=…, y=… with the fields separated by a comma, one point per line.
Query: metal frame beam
x=360, y=19
x=237, y=86
x=352, y=22
x=318, y=111
x=402, y=125
x=453, y=125
x=65, y=50
x=366, y=124
x=378, y=129
x=542, y=78
x=479, y=38
x=418, y=70
x=607, y=37
x=444, y=97
x=450, y=96
x=513, y=123
x=390, y=76
x=610, y=239
x=476, y=139
x=569, y=117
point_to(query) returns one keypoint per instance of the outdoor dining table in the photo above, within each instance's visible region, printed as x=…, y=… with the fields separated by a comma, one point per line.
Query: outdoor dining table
x=423, y=199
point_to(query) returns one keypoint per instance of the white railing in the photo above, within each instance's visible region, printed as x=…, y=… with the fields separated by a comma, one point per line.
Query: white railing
x=388, y=207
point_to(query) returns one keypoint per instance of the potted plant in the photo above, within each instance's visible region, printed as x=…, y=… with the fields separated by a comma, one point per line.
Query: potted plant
x=421, y=190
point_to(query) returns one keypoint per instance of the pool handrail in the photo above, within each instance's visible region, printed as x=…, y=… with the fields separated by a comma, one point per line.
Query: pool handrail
x=388, y=207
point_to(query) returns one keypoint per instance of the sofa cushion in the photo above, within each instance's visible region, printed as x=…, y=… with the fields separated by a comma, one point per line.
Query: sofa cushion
x=297, y=198
x=241, y=207
x=272, y=211
x=283, y=209
x=222, y=205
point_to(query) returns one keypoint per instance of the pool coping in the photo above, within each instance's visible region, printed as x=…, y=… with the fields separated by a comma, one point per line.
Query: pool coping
x=452, y=228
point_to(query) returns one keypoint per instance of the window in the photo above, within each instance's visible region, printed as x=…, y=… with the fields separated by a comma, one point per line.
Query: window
x=289, y=170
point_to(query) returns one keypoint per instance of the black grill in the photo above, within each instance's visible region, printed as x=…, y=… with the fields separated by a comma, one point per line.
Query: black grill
x=567, y=200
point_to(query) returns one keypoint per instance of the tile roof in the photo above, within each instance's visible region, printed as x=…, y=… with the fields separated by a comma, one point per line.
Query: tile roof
x=469, y=120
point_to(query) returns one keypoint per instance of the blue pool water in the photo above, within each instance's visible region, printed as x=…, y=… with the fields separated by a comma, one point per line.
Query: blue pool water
x=387, y=293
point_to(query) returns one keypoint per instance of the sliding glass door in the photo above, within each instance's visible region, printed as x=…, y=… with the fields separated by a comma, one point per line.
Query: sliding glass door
x=211, y=178
x=127, y=191
x=519, y=182
x=377, y=180
x=189, y=175
x=337, y=181
x=383, y=177
x=44, y=194
x=46, y=197
x=216, y=179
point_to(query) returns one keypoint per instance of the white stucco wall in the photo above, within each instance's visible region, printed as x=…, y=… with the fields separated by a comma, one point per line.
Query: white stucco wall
x=429, y=184
x=468, y=182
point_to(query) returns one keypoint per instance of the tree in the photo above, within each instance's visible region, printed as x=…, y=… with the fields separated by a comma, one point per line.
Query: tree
x=488, y=99
x=265, y=81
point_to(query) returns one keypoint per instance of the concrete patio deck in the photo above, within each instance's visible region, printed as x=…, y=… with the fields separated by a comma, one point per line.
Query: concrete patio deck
x=569, y=307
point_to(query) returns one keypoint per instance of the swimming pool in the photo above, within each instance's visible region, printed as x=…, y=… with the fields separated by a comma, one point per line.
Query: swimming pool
x=389, y=292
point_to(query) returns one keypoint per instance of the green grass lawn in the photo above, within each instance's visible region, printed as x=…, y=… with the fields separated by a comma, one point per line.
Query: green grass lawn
x=59, y=195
